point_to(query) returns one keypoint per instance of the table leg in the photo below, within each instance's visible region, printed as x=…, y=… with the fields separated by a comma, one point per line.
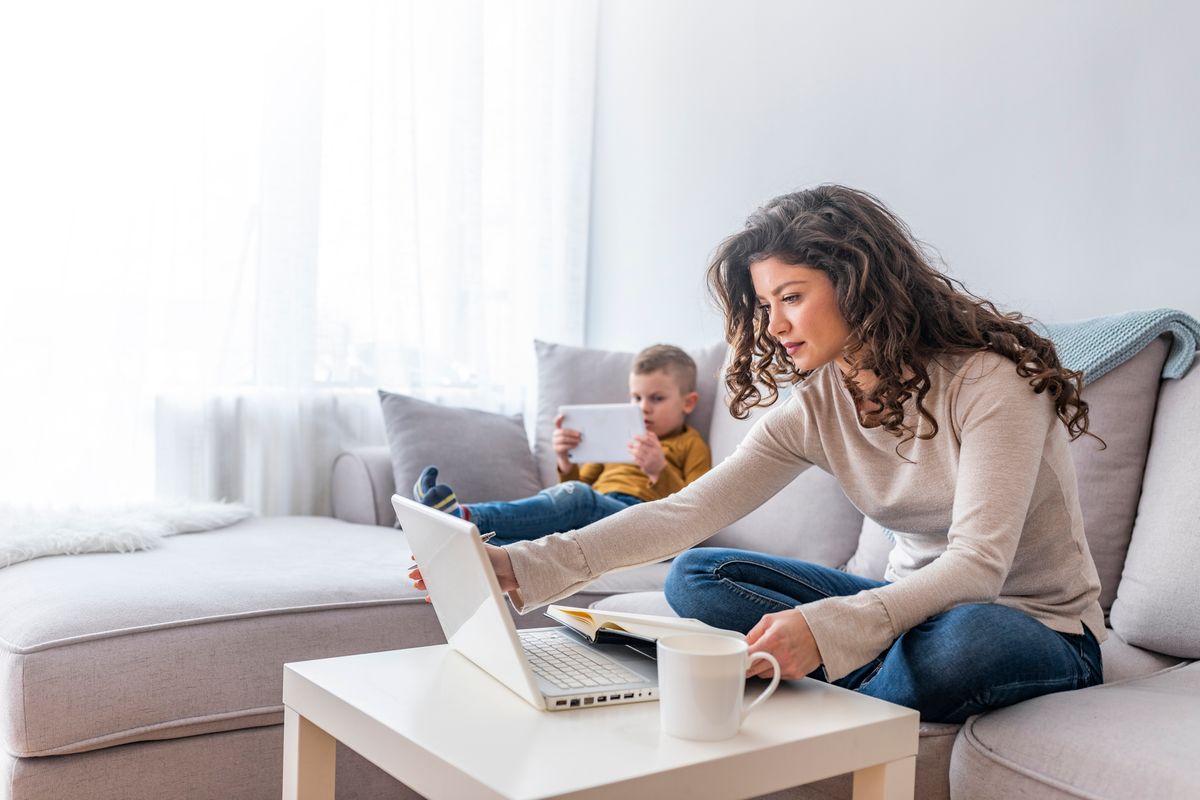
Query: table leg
x=891, y=781
x=309, y=758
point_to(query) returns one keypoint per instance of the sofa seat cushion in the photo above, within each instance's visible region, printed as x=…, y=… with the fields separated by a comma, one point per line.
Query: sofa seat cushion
x=108, y=648
x=1123, y=661
x=1134, y=738
x=646, y=578
x=640, y=602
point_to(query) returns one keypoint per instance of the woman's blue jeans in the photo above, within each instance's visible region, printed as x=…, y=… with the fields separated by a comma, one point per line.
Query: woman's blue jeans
x=970, y=659
x=563, y=507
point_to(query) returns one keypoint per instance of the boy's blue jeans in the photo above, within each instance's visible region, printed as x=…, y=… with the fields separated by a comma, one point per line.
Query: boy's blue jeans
x=971, y=658
x=563, y=507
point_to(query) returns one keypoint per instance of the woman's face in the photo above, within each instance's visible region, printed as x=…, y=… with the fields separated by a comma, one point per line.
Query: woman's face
x=803, y=312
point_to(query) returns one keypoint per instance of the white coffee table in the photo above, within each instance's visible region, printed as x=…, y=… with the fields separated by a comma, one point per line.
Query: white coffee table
x=437, y=723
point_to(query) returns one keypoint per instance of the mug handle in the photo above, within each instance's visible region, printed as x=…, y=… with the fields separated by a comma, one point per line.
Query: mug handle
x=767, y=692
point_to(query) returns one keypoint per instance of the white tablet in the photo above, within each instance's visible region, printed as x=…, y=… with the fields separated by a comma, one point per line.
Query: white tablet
x=606, y=428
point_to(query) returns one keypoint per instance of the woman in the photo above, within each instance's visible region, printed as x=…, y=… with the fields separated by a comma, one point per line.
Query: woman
x=940, y=417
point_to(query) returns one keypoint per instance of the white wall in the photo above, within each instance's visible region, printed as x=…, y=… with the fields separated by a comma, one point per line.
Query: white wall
x=1049, y=150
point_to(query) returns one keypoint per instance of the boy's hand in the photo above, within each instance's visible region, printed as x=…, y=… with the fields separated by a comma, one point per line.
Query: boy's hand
x=565, y=440
x=648, y=454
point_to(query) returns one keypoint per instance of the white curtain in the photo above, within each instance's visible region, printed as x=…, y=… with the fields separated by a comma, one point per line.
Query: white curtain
x=226, y=224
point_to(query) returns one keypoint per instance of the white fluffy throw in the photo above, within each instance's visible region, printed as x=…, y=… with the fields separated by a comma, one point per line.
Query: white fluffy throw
x=31, y=533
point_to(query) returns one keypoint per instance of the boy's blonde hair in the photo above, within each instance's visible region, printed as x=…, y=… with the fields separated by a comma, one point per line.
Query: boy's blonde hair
x=670, y=359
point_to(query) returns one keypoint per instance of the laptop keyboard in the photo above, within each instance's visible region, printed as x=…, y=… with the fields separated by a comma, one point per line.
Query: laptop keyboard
x=571, y=666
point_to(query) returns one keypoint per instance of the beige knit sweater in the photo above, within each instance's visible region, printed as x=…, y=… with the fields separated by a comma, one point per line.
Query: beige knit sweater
x=988, y=508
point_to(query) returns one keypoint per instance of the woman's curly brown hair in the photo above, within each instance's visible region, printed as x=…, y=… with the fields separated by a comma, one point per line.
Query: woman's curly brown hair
x=901, y=311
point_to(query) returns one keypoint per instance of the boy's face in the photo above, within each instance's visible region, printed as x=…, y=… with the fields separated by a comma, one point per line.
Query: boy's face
x=664, y=406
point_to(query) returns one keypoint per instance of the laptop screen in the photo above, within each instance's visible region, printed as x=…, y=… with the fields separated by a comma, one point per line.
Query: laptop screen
x=466, y=597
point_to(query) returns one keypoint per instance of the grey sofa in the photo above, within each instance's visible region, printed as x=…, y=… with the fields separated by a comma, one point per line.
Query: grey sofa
x=158, y=674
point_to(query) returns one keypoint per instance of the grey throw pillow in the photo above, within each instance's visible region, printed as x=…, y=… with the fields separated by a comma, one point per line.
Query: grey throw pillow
x=483, y=456
x=568, y=375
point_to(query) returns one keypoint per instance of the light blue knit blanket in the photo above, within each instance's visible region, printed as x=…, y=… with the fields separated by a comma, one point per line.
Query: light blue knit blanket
x=1096, y=346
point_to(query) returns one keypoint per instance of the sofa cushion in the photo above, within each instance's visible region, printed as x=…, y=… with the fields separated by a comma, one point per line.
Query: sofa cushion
x=646, y=578
x=809, y=519
x=1156, y=604
x=1120, y=411
x=1129, y=739
x=107, y=648
x=639, y=602
x=1122, y=661
x=568, y=375
x=484, y=456
x=870, y=559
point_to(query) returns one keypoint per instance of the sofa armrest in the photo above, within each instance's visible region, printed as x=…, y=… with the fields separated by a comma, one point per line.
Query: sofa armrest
x=363, y=485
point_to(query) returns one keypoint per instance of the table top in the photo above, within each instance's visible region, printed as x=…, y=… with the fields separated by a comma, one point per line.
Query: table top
x=436, y=722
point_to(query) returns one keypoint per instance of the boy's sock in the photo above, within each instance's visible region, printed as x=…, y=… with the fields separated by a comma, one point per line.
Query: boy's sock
x=438, y=495
x=425, y=481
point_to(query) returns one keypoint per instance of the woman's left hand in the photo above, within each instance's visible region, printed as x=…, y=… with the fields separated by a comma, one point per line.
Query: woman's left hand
x=785, y=635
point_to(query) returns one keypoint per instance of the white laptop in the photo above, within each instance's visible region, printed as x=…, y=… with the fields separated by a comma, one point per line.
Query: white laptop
x=552, y=668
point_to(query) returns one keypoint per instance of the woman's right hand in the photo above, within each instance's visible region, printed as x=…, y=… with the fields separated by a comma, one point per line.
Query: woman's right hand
x=565, y=440
x=501, y=565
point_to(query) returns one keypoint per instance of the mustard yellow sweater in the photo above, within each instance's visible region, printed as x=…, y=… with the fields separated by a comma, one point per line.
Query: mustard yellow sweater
x=688, y=458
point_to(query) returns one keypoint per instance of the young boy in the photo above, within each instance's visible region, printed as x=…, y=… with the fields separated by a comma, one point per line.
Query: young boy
x=668, y=456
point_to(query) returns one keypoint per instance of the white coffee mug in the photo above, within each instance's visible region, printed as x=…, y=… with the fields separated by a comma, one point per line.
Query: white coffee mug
x=701, y=683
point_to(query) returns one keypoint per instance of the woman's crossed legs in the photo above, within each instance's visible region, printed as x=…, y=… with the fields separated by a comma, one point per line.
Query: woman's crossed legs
x=969, y=659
